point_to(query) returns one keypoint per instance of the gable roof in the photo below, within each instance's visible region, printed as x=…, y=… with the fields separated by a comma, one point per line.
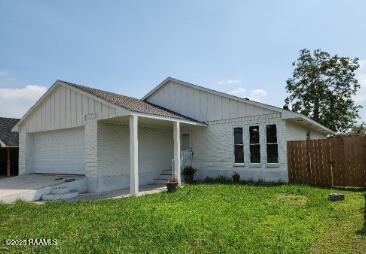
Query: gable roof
x=130, y=103
x=211, y=91
x=286, y=114
x=117, y=100
x=7, y=137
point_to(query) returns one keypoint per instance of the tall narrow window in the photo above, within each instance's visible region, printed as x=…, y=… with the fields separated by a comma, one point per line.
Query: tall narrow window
x=255, y=150
x=272, y=146
x=238, y=145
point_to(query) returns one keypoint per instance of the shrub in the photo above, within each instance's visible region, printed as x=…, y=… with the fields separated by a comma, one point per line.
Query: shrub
x=236, y=177
x=189, y=171
x=221, y=179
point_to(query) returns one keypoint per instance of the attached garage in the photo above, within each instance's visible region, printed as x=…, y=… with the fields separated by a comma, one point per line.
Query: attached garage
x=60, y=151
x=74, y=129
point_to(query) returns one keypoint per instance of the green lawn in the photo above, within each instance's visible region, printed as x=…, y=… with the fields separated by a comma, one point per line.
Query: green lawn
x=204, y=218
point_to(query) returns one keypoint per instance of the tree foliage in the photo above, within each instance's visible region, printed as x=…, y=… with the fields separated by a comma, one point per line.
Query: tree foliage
x=359, y=128
x=322, y=87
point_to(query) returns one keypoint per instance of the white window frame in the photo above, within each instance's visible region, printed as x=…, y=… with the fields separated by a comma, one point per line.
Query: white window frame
x=255, y=164
x=274, y=164
x=239, y=164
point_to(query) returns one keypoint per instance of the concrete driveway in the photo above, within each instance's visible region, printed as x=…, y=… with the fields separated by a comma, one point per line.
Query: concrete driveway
x=32, y=187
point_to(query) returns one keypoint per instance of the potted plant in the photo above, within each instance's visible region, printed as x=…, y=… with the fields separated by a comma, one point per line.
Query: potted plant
x=236, y=177
x=172, y=184
x=188, y=173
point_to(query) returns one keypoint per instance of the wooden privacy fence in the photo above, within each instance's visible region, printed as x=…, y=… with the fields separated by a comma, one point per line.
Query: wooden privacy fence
x=335, y=161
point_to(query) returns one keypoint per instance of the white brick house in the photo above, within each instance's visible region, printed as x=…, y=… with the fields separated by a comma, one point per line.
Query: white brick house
x=119, y=142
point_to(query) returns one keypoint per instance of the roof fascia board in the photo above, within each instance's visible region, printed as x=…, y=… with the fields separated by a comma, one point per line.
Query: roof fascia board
x=313, y=123
x=168, y=119
x=318, y=125
x=165, y=81
x=287, y=114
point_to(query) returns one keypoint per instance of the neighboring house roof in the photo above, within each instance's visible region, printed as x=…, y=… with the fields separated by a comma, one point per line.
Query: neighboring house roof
x=286, y=114
x=7, y=137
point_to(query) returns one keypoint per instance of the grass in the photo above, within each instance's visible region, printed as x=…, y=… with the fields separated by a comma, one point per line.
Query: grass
x=203, y=218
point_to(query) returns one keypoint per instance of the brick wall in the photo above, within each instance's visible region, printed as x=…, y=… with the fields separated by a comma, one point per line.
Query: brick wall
x=155, y=155
x=213, y=149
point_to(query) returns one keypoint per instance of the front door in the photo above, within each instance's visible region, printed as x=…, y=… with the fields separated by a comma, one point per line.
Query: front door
x=185, y=142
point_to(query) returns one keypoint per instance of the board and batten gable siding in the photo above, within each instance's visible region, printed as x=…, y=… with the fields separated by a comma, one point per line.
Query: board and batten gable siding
x=65, y=107
x=201, y=105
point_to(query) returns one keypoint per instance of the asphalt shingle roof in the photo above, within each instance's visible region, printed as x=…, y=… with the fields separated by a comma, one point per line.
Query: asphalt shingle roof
x=133, y=104
x=8, y=137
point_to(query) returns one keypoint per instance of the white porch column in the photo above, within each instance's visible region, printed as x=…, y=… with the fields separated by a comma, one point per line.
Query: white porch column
x=23, y=153
x=134, y=159
x=91, y=152
x=176, y=137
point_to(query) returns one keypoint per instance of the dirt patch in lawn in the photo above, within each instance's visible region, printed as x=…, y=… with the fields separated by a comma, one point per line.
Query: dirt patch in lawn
x=292, y=199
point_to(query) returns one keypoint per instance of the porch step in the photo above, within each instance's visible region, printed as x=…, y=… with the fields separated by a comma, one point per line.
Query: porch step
x=60, y=190
x=62, y=196
x=60, y=193
x=160, y=181
x=163, y=177
x=165, y=174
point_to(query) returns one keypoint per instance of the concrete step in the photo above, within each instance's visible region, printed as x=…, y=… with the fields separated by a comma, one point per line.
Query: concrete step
x=60, y=196
x=160, y=181
x=60, y=190
x=165, y=178
x=166, y=174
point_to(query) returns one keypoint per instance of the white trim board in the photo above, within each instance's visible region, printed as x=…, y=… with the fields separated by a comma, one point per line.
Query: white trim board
x=168, y=119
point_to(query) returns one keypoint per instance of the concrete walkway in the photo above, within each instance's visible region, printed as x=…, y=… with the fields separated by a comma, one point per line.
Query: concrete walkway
x=31, y=187
x=121, y=193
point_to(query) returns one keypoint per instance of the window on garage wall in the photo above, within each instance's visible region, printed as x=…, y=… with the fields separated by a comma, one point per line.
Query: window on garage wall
x=255, y=151
x=238, y=145
x=272, y=146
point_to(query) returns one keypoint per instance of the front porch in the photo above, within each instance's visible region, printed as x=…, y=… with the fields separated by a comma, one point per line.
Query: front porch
x=132, y=151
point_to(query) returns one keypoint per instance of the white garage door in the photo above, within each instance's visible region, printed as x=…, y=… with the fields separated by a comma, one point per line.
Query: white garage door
x=58, y=151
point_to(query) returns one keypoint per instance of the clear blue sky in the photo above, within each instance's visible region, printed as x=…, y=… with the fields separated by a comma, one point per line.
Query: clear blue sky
x=130, y=46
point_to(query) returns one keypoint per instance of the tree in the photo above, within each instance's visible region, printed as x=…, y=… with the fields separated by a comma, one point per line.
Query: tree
x=322, y=87
x=359, y=128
